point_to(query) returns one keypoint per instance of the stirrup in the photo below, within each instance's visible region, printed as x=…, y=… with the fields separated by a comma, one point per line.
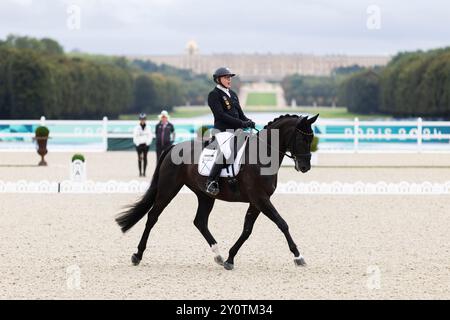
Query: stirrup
x=212, y=187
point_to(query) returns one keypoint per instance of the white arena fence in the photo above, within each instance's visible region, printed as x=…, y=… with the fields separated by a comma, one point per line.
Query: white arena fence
x=346, y=136
x=291, y=187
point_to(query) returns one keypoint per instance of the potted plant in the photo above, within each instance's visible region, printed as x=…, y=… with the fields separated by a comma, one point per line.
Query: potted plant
x=78, y=168
x=202, y=133
x=314, y=148
x=78, y=156
x=41, y=136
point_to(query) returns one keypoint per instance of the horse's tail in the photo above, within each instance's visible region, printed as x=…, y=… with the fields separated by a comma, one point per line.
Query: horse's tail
x=127, y=219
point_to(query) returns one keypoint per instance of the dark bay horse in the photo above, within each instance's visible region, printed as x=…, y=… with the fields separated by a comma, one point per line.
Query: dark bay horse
x=295, y=135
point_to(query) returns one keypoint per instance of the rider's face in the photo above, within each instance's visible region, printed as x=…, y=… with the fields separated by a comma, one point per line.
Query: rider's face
x=226, y=81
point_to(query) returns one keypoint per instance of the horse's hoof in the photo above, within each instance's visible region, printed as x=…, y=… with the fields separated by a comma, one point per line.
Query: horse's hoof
x=228, y=266
x=300, y=262
x=135, y=259
x=218, y=260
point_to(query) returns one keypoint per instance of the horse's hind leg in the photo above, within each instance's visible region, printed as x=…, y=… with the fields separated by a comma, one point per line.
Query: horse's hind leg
x=205, y=205
x=250, y=218
x=161, y=202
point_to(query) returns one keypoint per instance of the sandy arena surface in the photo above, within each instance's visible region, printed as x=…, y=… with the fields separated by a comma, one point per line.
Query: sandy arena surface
x=356, y=247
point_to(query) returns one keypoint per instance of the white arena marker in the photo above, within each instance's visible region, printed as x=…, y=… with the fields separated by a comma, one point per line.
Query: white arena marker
x=374, y=277
x=78, y=171
x=73, y=281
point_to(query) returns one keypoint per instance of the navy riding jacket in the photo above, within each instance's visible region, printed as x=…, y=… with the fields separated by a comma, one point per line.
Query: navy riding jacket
x=227, y=111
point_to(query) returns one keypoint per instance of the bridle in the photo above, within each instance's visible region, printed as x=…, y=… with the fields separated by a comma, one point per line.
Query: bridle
x=292, y=143
x=294, y=155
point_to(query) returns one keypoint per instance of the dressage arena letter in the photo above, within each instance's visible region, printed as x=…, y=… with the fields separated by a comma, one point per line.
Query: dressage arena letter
x=73, y=281
x=374, y=280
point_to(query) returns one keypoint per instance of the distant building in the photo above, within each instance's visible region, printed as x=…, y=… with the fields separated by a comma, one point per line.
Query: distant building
x=263, y=67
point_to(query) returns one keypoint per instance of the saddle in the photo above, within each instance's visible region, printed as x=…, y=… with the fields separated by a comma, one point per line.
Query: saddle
x=209, y=155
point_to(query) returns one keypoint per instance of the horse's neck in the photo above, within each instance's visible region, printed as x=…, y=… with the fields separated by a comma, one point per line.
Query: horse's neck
x=284, y=134
x=285, y=130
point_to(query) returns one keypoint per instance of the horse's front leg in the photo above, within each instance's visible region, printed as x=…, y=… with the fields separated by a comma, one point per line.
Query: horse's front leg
x=269, y=210
x=250, y=218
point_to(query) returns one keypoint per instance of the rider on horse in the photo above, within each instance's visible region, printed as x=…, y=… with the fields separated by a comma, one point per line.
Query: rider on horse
x=228, y=115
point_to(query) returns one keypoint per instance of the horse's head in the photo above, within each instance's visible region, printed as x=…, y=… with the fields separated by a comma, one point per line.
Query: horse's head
x=300, y=146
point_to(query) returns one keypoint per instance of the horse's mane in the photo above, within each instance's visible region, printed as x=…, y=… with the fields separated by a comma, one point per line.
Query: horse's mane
x=281, y=117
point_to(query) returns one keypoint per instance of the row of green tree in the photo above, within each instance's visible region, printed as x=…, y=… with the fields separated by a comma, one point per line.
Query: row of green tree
x=417, y=84
x=412, y=84
x=38, y=78
x=33, y=84
x=311, y=90
x=45, y=45
x=317, y=90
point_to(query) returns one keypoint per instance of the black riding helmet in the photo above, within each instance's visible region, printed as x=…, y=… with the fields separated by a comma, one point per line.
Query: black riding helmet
x=223, y=71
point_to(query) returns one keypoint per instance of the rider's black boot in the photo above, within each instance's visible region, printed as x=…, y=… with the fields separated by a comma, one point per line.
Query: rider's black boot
x=212, y=184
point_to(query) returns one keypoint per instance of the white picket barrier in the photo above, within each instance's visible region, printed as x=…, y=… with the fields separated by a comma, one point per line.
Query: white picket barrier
x=290, y=187
x=418, y=132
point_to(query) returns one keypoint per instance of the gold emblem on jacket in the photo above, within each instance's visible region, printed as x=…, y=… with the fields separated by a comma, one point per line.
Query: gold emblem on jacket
x=227, y=103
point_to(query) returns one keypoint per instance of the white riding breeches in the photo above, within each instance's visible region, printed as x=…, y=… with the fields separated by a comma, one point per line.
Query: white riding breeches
x=224, y=140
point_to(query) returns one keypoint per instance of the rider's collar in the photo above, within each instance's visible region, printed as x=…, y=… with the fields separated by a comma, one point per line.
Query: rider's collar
x=227, y=91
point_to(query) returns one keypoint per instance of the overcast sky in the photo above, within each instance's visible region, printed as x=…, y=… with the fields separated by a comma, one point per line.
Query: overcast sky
x=277, y=26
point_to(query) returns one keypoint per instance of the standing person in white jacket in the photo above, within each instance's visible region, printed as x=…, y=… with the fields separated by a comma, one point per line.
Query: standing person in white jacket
x=142, y=138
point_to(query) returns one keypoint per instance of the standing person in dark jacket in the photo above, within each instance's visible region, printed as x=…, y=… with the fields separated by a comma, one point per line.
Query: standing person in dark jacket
x=165, y=133
x=228, y=116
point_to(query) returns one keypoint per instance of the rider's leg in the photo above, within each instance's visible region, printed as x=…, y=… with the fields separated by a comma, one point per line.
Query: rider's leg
x=236, y=143
x=212, y=183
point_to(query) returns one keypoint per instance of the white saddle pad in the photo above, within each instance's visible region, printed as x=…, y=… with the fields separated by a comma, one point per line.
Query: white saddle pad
x=208, y=158
x=224, y=140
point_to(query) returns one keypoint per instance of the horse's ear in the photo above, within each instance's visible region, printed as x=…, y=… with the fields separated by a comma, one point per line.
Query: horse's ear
x=303, y=122
x=313, y=119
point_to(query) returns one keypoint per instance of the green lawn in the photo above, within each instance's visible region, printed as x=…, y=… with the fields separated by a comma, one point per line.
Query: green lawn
x=261, y=99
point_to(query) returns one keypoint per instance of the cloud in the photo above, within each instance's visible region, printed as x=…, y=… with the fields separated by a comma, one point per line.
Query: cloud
x=164, y=26
x=22, y=3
